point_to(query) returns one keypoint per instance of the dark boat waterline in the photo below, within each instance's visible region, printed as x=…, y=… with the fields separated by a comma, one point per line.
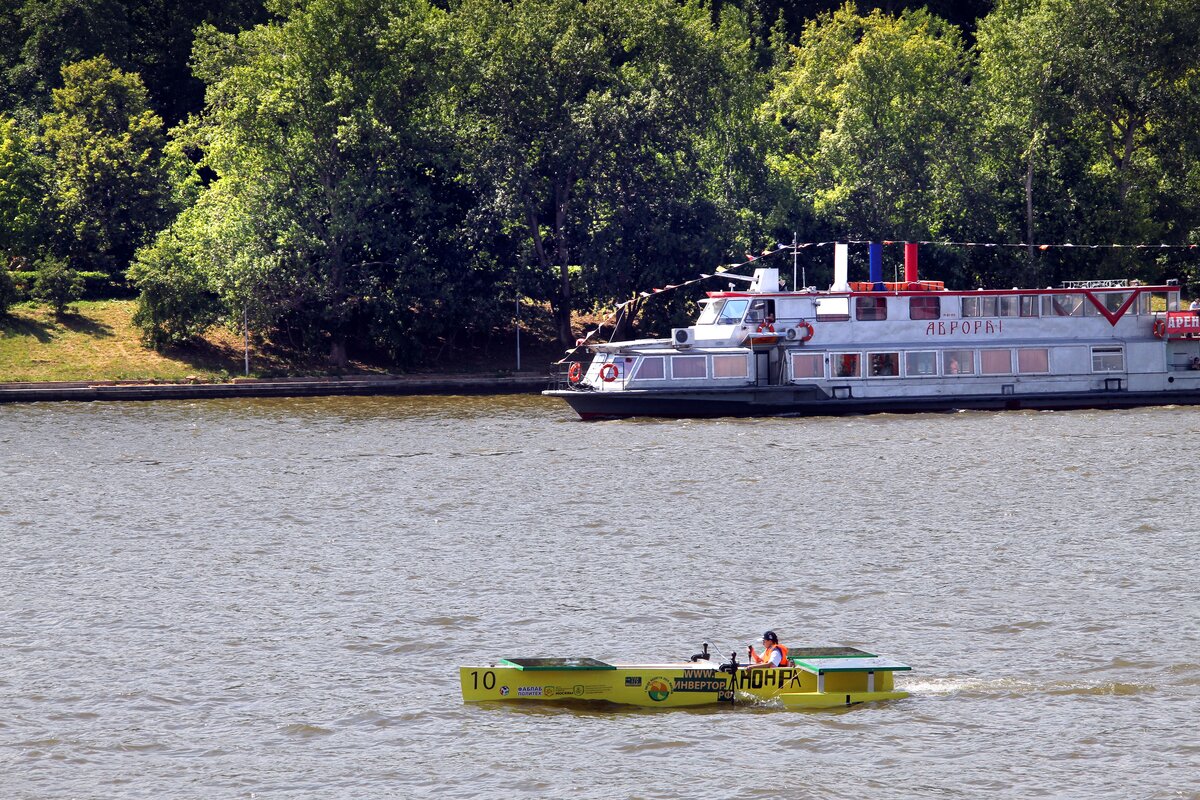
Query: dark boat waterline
x=787, y=401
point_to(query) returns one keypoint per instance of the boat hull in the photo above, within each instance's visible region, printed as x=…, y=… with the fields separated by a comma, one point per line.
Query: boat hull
x=792, y=401
x=679, y=685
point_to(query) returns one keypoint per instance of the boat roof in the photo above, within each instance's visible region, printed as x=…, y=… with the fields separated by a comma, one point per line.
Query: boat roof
x=896, y=292
x=844, y=664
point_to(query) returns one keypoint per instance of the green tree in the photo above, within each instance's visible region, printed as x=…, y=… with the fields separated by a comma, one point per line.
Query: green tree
x=107, y=187
x=150, y=37
x=1089, y=110
x=22, y=177
x=874, y=115
x=595, y=134
x=332, y=216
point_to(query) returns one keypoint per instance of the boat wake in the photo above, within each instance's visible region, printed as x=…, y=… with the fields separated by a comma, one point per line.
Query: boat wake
x=958, y=687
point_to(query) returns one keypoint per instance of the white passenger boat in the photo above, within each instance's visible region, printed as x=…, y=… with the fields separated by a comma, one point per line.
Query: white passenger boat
x=905, y=346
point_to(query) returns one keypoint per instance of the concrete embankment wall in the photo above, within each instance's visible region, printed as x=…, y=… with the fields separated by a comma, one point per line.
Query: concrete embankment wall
x=271, y=387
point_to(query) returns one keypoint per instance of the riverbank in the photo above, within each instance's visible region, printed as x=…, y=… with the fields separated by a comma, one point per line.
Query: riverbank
x=520, y=383
x=95, y=353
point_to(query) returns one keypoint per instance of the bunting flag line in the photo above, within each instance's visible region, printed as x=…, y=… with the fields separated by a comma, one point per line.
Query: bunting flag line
x=614, y=316
x=1044, y=246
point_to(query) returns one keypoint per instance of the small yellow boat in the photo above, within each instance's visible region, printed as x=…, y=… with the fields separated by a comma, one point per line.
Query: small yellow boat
x=815, y=677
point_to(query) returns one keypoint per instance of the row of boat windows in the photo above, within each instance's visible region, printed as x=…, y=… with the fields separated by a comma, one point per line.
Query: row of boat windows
x=868, y=309
x=888, y=364
x=932, y=363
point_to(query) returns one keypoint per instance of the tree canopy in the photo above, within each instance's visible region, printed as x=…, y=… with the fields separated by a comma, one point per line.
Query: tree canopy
x=373, y=176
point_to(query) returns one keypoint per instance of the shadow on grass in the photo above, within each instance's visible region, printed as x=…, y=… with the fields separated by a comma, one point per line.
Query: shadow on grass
x=205, y=356
x=78, y=323
x=20, y=326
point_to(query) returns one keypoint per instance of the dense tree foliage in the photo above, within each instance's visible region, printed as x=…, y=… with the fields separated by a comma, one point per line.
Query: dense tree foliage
x=1090, y=109
x=595, y=130
x=107, y=188
x=150, y=37
x=371, y=176
x=334, y=176
x=22, y=176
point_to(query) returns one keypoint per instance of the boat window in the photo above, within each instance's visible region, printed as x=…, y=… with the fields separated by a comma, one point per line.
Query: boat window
x=1113, y=300
x=1029, y=305
x=833, y=309
x=958, y=362
x=651, y=368
x=846, y=365
x=1108, y=359
x=1009, y=305
x=1033, y=360
x=689, y=367
x=920, y=363
x=1157, y=302
x=924, y=308
x=883, y=365
x=729, y=367
x=761, y=311
x=995, y=362
x=709, y=311
x=871, y=308
x=1064, y=305
x=732, y=311
x=979, y=306
x=808, y=365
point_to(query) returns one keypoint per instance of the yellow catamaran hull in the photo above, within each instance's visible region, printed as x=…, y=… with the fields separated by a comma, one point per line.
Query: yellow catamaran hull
x=843, y=678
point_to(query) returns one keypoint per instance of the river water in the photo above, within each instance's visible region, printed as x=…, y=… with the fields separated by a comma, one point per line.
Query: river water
x=270, y=598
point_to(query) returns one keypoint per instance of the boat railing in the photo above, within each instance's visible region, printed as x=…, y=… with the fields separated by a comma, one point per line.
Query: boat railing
x=560, y=376
x=1113, y=283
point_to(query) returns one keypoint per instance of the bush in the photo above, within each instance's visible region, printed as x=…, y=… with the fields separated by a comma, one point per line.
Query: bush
x=176, y=302
x=57, y=284
x=8, y=292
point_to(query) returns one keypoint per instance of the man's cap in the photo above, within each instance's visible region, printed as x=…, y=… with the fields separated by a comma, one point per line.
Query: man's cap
x=770, y=636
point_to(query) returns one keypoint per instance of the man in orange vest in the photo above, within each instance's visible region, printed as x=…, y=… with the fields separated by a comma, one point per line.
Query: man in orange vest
x=774, y=654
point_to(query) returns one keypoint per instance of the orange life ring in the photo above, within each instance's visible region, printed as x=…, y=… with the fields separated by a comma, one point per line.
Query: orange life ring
x=1160, y=327
x=765, y=327
x=608, y=373
x=575, y=373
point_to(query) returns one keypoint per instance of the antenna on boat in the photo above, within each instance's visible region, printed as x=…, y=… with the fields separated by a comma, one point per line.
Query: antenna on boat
x=795, y=259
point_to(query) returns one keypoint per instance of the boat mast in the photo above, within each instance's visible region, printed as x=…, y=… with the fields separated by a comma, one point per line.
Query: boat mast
x=795, y=259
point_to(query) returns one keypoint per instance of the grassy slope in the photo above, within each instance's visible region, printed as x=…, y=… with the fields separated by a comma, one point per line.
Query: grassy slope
x=99, y=342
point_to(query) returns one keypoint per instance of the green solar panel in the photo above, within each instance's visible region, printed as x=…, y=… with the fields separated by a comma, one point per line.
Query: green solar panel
x=557, y=663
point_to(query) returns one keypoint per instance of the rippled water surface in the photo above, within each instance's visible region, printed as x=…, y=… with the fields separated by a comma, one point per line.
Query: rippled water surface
x=270, y=598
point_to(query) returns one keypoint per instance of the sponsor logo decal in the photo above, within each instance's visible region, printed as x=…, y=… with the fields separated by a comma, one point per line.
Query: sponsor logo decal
x=634, y=681
x=659, y=689
x=504, y=691
x=578, y=690
x=780, y=679
x=529, y=691
x=699, y=680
